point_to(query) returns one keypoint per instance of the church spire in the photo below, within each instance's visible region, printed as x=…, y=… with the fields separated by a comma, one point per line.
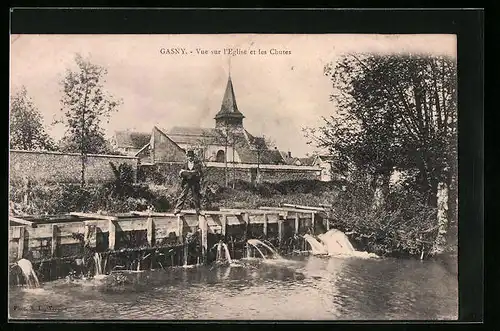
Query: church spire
x=229, y=113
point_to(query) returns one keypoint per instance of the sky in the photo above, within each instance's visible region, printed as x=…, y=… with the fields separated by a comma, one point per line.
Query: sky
x=279, y=94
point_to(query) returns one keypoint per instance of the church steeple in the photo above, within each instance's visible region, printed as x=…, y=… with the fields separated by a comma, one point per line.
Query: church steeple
x=229, y=115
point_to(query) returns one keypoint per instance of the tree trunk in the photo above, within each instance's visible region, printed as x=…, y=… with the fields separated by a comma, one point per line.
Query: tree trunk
x=442, y=218
x=452, y=235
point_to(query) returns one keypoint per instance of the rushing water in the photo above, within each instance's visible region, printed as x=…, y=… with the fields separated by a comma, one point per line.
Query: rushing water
x=307, y=288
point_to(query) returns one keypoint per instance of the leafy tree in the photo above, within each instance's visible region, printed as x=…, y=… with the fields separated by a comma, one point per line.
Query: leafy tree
x=395, y=112
x=84, y=104
x=26, y=125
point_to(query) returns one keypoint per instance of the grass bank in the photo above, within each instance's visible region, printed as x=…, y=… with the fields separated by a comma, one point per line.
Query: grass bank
x=401, y=226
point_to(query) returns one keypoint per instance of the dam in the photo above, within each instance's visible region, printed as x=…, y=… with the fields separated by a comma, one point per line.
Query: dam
x=96, y=244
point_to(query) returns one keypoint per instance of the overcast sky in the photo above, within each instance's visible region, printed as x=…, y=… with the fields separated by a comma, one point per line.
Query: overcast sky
x=278, y=94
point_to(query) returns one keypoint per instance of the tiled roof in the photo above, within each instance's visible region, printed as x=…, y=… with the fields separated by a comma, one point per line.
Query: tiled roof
x=326, y=157
x=192, y=135
x=307, y=161
x=131, y=139
x=252, y=146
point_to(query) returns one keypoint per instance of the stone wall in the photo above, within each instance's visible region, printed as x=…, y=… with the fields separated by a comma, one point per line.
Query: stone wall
x=167, y=173
x=64, y=167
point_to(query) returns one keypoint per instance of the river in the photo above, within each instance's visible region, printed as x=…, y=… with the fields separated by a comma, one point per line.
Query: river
x=302, y=288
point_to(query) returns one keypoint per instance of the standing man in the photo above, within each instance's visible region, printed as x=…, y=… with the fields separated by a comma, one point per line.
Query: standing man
x=191, y=176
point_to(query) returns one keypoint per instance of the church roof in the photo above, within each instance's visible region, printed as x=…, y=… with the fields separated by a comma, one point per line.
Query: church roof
x=229, y=108
x=191, y=135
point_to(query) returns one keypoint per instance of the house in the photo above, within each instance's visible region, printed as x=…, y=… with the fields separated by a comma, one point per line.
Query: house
x=325, y=162
x=227, y=141
x=129, y=142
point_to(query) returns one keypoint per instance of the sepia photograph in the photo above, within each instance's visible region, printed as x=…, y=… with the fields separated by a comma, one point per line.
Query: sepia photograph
x=233, y=177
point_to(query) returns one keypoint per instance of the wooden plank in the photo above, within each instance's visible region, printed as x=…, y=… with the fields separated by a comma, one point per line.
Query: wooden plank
x=297, y=220
x=54, y=240
x=293, y=210
x=265, y=225
x=180, y=229
x=112, y=234
x=92, y=215
x=21, y=221
x=16, y=231
x=303, y=207
x=102, y=224
x=41, y=231
x=133, y=225
x=67, y=241
x=220, y=212
x=236, y=211
x=224, y=225
x=154, y=214
x=20, y=248
x=150, y=232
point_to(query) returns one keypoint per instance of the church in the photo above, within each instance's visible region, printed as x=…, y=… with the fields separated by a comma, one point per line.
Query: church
x=227, y=142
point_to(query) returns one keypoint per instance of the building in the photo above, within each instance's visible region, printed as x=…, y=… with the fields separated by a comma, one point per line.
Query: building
x=129, y=142
x=228, y=142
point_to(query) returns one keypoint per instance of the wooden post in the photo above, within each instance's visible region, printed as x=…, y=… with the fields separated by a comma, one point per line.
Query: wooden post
x=151, y=232
x=224, y=225
x=20, y=236
x=265, y=225
x=327, y=220
x=180, y=229
x=112, y=234
x=54, y=240
x=297, y=223
x=313, y=225
x=246, y=218
x=202, y=224
x=90, y=235
x=280, y=230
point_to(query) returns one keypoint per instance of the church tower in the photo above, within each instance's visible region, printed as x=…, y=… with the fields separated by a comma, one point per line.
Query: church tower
x=229, y=116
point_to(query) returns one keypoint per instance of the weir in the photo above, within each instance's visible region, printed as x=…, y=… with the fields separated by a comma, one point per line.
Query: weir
x=90, y=243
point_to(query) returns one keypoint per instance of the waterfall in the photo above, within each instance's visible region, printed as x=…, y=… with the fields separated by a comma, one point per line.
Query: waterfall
x=28, y=273
x=336, y=242
x=186, y=254
x=316, y=247
x=223, y=253
x=98, y=264
x=256, y=242
x=228, y=255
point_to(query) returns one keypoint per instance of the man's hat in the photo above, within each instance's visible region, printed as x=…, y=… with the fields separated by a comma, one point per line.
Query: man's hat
x=190, y=152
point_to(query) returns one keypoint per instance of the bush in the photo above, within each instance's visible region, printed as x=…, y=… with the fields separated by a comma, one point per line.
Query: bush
x=402, y=226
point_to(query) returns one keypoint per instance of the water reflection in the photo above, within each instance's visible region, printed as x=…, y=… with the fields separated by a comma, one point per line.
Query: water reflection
x=307, y=288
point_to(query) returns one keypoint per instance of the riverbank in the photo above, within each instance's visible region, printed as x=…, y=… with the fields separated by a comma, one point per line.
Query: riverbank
x=402, y=227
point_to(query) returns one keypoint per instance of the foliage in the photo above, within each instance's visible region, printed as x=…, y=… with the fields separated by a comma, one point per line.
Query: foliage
x=85, y=104
x=26, y=124
x=395, y=111
x=404, y=225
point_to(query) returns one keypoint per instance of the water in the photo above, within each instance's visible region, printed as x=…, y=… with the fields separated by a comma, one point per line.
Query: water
x=305, y=288
x=256, y=243
x=334, y=243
